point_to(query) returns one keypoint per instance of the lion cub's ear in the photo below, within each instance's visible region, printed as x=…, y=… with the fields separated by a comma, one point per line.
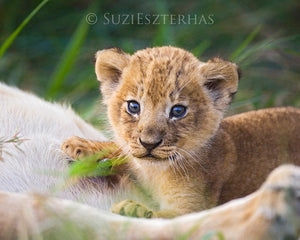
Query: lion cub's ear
x=221, y=80
x=109, y=66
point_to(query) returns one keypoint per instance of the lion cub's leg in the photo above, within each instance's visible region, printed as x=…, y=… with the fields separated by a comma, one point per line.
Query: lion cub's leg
x=78, y=148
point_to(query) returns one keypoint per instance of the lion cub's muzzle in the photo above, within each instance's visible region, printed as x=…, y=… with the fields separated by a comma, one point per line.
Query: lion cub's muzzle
x=149, y=146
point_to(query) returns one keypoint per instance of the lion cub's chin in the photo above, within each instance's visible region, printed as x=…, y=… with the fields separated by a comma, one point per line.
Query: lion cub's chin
x=151, y=157
x=161, y=163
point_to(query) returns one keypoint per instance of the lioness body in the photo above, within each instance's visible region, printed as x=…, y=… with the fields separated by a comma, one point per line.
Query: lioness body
x=270, y=213
x=166, y=109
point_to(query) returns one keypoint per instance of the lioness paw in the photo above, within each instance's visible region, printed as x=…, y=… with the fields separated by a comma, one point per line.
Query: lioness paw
x=131, y=208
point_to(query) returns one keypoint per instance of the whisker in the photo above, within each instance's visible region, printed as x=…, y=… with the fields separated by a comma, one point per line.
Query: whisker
x=180, y=162
x=195, y=159
x=171, y=162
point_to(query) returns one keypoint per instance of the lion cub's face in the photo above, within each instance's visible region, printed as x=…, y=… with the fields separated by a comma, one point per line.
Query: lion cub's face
x=163, y=103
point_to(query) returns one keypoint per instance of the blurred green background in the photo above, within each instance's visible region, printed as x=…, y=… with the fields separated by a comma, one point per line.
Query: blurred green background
x=53, y=55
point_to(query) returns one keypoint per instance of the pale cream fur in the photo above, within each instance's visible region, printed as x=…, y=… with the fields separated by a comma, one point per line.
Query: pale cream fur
x=271, y=213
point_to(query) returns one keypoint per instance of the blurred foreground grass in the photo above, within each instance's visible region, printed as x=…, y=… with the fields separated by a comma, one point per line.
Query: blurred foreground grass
x=53, y=55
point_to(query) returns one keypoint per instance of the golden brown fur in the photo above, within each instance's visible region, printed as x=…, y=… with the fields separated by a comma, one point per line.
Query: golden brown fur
x=199, y=160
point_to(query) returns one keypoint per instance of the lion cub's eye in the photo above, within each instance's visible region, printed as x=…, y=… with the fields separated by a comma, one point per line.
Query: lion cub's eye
x=133, y=107
x=178, y=111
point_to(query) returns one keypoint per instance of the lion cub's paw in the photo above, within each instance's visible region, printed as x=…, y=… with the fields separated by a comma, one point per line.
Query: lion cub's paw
x=76, y=147
x=131, y=208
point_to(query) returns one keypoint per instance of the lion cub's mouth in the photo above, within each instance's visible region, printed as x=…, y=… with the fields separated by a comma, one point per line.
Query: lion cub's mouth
x=152, y=157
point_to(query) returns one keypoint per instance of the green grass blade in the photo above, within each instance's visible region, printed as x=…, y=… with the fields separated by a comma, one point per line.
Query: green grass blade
x=199, y=50
x=12, y=37
x=250, y=55
x=213, y=235
x=164, y=33
x=291, y=51
x=94, y=165
x=68, y=59
x=245, y=43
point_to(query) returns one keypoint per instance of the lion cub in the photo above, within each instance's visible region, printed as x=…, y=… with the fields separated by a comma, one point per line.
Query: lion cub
x=166, y=109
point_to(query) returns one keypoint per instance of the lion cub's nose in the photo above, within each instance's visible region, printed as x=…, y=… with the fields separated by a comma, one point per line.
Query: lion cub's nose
x=150, y=145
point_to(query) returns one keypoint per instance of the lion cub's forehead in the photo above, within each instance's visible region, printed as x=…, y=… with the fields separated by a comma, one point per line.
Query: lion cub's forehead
x=162, y=72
